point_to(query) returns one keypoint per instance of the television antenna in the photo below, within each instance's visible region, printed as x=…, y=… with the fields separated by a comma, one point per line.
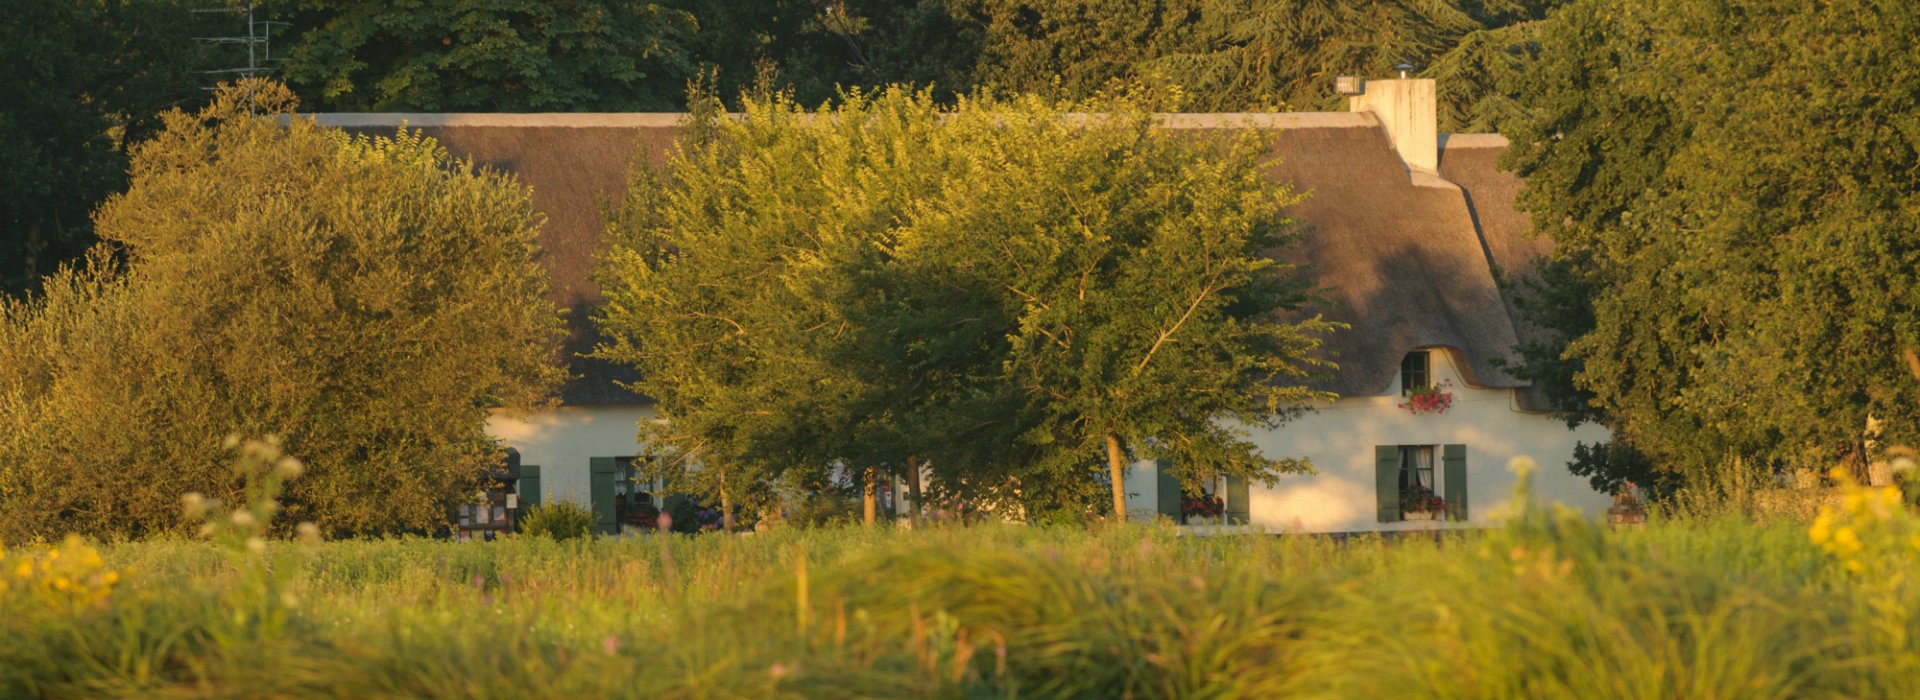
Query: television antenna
x=258, y=40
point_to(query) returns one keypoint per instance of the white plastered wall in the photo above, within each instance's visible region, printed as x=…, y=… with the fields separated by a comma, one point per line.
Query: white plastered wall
x=561, y=440
x=1340, y=438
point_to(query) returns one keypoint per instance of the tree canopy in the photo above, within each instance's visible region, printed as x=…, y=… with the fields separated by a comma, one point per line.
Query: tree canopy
x=1021, y=297
x=501, y=56
x=368, y=299
x=1743, y=236
x=85, y=80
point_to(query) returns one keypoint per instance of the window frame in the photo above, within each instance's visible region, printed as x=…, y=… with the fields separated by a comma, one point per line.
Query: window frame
x=1450, y=479
x=1414, y=377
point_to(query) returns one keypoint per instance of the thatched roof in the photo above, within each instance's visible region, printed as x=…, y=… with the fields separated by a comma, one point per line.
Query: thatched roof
x=1406, y=263
x=1469, y=160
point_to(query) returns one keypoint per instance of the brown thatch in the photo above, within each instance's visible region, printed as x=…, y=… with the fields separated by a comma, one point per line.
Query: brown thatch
x=1402, y=263
x=1406, y=265
x=1470, y=161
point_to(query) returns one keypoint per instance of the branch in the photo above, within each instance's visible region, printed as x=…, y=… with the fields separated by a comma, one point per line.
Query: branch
x=737, y=328
x=1205, y=290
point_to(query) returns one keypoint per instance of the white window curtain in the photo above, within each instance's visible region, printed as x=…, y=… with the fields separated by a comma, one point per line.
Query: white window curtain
x=1416, y=466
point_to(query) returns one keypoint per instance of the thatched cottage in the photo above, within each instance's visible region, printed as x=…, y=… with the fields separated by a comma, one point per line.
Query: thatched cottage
x=1408, y=231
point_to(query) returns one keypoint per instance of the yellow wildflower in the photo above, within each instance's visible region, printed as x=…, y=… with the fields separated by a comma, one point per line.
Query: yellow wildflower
x=1852, y=502
x=1822, y=528
x=1845, y=542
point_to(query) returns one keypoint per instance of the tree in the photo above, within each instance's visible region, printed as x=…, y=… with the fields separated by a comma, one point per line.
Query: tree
x=503, y=56
x=368, y=299
x=1745, y=238
x=1245, y=55
x=745, y=280
x=997, y=289
x=1240, y=55
x=815, y=48
x=1147, y=322
x=85, y=81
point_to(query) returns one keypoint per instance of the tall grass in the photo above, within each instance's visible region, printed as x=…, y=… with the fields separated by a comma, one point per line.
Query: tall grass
x=1547, y=607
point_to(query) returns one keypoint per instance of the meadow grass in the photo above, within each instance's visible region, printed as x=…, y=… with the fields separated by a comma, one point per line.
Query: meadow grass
x=1548, y=606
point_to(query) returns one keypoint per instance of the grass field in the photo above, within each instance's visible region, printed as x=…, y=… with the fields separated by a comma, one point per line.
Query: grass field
x=1547, y=607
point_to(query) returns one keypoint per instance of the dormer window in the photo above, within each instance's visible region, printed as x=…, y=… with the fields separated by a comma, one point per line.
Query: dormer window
x=1416, y=371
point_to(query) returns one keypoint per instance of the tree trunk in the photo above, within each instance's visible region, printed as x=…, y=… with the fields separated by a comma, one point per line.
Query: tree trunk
x=1117, y=468
x=726, y=507
x=33, y=254
x=913, y=486
x=869, y=502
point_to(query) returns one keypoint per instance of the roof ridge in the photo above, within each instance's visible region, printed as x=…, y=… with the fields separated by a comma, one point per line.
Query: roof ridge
x=643, y=120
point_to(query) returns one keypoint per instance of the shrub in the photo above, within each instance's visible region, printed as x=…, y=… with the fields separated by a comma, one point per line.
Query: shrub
x=562, y=520
x=369, y=299
x=824, y=509
x=690, y=516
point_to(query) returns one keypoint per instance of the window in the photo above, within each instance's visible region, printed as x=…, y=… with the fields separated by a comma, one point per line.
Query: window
x=613, y=493
x=1418, y=491
x=629, y=481
x=1416, y=371
x=1410, y=485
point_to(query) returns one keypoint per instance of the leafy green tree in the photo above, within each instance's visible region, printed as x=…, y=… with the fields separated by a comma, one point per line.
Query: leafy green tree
x=1248, y=55
x=368, y=299
x=696, y=293
x=814, y=48
x=1068, y=49
x=496, y=56
x=1745, y=237
x=998, y=289
x=1478, y=78
x=1139, y=262
x=1243, y=55
x=85, y=80
x=745, y=279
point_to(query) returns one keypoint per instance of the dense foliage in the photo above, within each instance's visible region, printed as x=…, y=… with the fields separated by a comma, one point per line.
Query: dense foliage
x=1011, y=294
x=1222, y=55
x=1737, y=258
x=502, y=56
x=368, y=299
x=560, y=520
x=84, y=81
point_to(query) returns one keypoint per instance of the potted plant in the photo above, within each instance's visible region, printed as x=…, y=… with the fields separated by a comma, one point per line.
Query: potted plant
x=1421, y=503
x=1192, y=507
x=1432, y=398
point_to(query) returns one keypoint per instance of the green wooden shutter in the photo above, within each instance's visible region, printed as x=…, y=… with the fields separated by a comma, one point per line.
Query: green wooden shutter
x=1386, y=481
x=674, y=502
x=600, y=486
x=1239, y=510
x=529, y=486
x=1454, y=462
x=1167, y=501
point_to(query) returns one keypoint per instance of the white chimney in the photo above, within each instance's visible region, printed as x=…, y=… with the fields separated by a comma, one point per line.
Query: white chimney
x=1406, y=108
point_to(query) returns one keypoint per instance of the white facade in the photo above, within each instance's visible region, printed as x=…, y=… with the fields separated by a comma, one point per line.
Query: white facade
x=562, y=440
x=1340, y=440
